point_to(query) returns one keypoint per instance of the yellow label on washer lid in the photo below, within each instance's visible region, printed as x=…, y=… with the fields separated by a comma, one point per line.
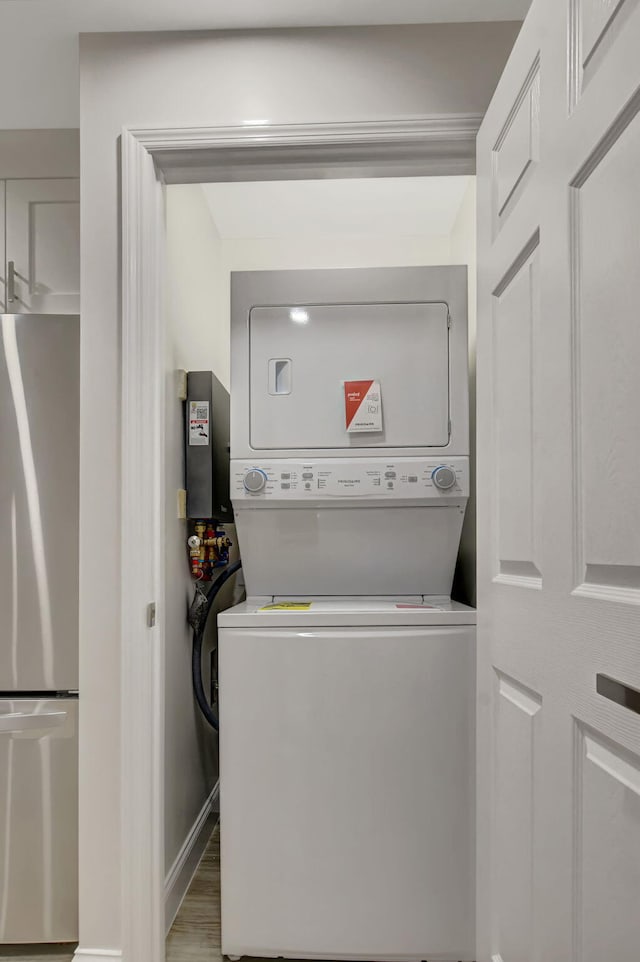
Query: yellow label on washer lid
x=288, y=606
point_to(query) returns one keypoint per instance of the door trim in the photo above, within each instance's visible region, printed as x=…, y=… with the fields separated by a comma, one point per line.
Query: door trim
x=442, y=145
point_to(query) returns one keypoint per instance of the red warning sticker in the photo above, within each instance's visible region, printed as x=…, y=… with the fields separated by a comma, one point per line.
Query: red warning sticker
x=198, y=423
x=363, y=406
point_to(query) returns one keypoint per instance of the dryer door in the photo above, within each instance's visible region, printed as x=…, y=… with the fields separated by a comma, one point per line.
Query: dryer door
x=302, y=360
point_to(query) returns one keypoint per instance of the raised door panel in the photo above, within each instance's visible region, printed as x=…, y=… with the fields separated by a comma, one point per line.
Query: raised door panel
x=607, y=850
x=516, y=311
x=43, y=242
x=607, y=338
x=518, y=721
x=517, y=148
x=594, y=26
x=597, y=17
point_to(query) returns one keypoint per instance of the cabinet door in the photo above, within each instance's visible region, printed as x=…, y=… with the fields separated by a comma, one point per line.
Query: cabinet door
x=3, y=263
x=43, y=242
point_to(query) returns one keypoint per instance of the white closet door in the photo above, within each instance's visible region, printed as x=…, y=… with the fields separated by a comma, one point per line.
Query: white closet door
x=3, y=263
x=558, y=493
x=43, y=243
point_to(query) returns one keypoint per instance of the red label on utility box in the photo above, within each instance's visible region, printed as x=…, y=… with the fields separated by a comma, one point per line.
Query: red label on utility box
x=363, y=406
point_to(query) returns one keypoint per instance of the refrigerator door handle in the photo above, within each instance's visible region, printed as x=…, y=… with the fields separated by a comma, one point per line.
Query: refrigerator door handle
x=21, y=721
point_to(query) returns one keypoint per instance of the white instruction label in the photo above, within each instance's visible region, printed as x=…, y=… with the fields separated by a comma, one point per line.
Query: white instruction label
x=198, y=422
x=363, y=406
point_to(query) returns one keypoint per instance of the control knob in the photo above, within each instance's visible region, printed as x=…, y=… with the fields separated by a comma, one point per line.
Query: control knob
x=443, y=477
x=254, y=480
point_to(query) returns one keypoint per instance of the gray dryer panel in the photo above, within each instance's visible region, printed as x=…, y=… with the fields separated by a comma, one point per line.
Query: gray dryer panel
x=298, y=336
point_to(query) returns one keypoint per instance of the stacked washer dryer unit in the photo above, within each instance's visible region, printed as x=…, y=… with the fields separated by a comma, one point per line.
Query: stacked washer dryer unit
x=347, y=677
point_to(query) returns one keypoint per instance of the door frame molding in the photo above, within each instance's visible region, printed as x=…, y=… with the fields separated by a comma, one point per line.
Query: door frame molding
x=150, y=158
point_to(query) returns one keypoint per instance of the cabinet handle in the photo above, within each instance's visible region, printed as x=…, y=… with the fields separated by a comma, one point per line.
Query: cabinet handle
x=11, y=282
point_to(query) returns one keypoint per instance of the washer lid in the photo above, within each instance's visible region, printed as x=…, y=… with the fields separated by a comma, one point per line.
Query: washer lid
x=309, y=612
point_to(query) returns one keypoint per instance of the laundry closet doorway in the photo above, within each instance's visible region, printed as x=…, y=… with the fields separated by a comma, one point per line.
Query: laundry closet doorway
x=415, y=149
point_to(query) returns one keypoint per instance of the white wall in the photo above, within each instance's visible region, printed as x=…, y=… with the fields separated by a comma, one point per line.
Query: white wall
x=193, y=256
x=41, y=48
x=179, y=80
x=195, y=341
x=39, y=153
x=190, y=745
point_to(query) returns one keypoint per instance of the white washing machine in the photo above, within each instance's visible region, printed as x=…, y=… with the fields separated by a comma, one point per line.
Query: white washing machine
x=347, y=779
x=347, y=678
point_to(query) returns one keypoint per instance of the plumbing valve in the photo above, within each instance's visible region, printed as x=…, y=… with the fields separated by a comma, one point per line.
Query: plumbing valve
x=208, y=550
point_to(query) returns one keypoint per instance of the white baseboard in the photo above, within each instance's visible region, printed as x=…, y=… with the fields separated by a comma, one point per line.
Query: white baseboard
x=96, y=955
x=183, y=869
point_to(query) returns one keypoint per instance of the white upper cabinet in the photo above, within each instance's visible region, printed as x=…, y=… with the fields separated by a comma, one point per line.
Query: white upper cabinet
x=43, y=246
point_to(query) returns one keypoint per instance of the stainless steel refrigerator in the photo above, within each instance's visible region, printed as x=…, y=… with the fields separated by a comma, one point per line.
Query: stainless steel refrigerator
x=39, y=462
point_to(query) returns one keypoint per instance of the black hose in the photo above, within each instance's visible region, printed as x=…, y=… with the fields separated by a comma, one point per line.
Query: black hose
x=198, y=638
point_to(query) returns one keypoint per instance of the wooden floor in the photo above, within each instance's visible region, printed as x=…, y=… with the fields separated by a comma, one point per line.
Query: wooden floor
x=36, y=953
x=194, y=936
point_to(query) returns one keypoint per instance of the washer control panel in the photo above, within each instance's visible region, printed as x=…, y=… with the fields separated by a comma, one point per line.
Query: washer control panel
x=371, y=479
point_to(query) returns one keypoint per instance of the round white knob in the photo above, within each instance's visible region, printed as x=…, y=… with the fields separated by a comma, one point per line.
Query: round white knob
x=254, y=481
x=443, y=477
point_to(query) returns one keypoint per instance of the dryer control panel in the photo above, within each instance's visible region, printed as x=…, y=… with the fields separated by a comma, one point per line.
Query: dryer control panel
x=401, y=479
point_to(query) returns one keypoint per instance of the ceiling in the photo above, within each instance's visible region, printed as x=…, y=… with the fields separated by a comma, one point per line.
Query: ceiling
x=40, y=63
x=396, y=206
